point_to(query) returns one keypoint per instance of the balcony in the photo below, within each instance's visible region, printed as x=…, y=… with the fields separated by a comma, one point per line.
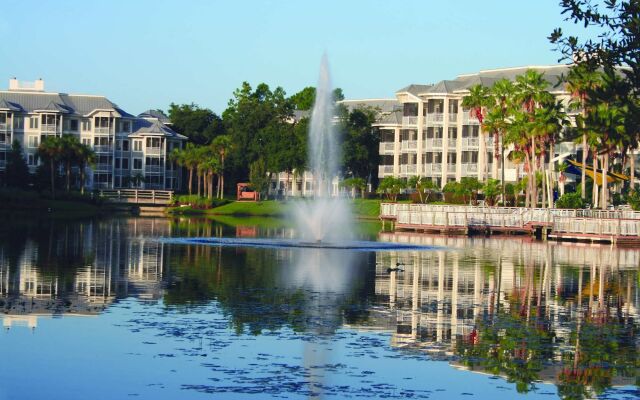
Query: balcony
x=433, y=143
x=432, y=169
x=470, y=142
x=103, y=167
x=408, y=170
x=152, y=169
x=468, y=119
x=409, y=120
x=4, y=127
x=451, y=168
x=469, y=169
x=387, y=147
x=3, y=164
x=48, y=128
x=409, y=145
x=103, y=149
x=153, y=150
x=101, y=130
x=384, y=170
x=451, y=143
x=453, y=117
x=434, y=118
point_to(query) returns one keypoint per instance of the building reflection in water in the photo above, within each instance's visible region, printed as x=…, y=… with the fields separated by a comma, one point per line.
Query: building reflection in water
x=79, y=269
x=528, y=311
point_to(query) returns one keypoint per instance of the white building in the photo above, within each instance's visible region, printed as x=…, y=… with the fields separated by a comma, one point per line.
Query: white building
x=131, y=151
x=429, y=133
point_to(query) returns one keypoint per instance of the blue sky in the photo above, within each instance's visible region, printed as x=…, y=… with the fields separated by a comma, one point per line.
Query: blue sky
x=146, y=54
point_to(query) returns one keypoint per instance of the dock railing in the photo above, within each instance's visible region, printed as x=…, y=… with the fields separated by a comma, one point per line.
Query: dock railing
x=138, y=196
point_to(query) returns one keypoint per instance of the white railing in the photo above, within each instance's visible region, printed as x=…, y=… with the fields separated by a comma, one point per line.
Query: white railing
x=451, y=168
x=48, y=128
x=470, y=142
x=153, y=150
x=469, y=169
x=103, y=148
x=453, y=117
x=4, y=127
x=409, y=145
x=387, y=147
x=409, y=120
x=385, y=170
x=155, y=169
x=433, y=143
x=434, y=118
x=101, y=130
x=138, y=196
x=451, y=143
x=103, y=167
x=432, y=169
x=468, y=119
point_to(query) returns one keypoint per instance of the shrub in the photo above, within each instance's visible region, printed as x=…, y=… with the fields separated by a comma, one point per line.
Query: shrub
x=570, y=200
x=634, y=200
x=196, y=201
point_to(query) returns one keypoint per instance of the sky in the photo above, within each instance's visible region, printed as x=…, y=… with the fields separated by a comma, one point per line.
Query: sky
x=145, y=54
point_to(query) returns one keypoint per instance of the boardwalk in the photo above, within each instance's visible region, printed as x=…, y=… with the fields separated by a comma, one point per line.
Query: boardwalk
x=620, y=227
x=159, y=198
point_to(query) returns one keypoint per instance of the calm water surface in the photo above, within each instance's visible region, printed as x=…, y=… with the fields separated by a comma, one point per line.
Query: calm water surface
x=99, y=309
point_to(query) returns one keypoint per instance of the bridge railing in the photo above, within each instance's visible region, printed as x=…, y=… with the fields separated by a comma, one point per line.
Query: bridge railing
x=138, y=196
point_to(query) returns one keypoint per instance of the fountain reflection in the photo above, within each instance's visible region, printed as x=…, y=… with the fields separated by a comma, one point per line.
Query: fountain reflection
x=528, y=311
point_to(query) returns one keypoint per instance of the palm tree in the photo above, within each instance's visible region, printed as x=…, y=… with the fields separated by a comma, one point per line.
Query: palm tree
x=85, y=156
x=68, y=155
x=581, y=80
x=190, y=161
x=222, y=145
x=51, y=150
x=477, y=101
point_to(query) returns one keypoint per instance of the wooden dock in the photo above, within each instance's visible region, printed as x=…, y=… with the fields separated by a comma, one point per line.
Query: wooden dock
x=618, y=227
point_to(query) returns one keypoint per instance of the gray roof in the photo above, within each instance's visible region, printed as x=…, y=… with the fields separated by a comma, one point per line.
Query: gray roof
x=300, y=114
x=143, y=126
x=60, y=102
x=157, y=114
x=382, y=105
x=8, y=106
x=392, y=118
x=552, y=74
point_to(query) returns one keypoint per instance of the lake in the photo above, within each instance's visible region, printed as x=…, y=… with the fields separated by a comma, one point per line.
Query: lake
x=102, y=309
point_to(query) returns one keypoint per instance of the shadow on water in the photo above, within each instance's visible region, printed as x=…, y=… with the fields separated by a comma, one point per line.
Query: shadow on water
x=533, y=314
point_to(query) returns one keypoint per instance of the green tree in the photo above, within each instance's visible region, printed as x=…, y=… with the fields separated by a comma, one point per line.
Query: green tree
x=200, y=125
x=85, y=156
x=51, y=150
x=423, y=186
x=222, y=145
x=360, y=148
x=259, y=177
x=304, y=99
x=491, y=190
x=353, y=184
x=391, y=187
x=477, y=101
x=16, y=171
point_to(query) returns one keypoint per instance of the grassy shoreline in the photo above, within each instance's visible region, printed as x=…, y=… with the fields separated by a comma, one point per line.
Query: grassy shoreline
x=365, y=209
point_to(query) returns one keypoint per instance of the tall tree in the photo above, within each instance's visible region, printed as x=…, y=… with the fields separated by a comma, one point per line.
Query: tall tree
x=222, y=145
x=477, y=102
x=16, y=171
x=360, y=147
x=51, y=150
x=200, y=125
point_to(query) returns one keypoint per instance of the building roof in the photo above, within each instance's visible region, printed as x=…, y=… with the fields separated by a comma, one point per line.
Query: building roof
x=382, y=105
x=8, y=106
x=58, y=102
x=552, y=73
x=154, y=127
x=157, y=114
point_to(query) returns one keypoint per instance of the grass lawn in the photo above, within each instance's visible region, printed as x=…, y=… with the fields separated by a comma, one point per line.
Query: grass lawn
x=362, y=209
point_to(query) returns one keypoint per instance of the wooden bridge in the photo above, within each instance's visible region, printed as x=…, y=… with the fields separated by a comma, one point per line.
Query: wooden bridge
x=158, y=198
x=620, y=227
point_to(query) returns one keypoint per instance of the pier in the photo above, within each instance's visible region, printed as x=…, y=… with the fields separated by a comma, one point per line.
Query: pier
x=615, y=226
x=141, y=197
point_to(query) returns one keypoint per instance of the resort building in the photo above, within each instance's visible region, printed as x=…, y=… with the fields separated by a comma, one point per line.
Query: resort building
x=430, y=134
x=131, y=151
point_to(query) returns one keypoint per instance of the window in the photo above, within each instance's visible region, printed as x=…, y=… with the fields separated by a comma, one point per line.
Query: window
x=33, y=141
x=3, y=156
x=137, y=145
x=18, y=123
x=126, y=125
x=137, y=163
x=153, y=142
x=4, y=138
x=117, y=163
x=3, y=118
x=86, y=141
x=101, y=122
x=33, y=123
x=73, y=125
x=125, y=145
x=125, y=163
x=86, y=125
x=410, y=109
x=32, y=159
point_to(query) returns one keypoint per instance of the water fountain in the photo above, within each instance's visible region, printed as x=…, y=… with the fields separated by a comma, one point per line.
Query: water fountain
x=326, y=217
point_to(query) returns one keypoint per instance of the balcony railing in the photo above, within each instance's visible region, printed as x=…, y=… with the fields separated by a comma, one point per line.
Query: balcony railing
x=434, y=118
x=153, y=150
x=409, y=120
x=103, y=167
x=3, y=164
x=453, y=117
x=470, y=142
x=103, y=148
x=4, y=127
x=468, y=119
x=48, y=128
x=451, y=168
x=451, y=143
x=101, y=130
x=154, y=169
x=384, y=170
x=387, y=147
x=433, y=143
x=431, y=169
x=409, y=145
x=469, y=169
